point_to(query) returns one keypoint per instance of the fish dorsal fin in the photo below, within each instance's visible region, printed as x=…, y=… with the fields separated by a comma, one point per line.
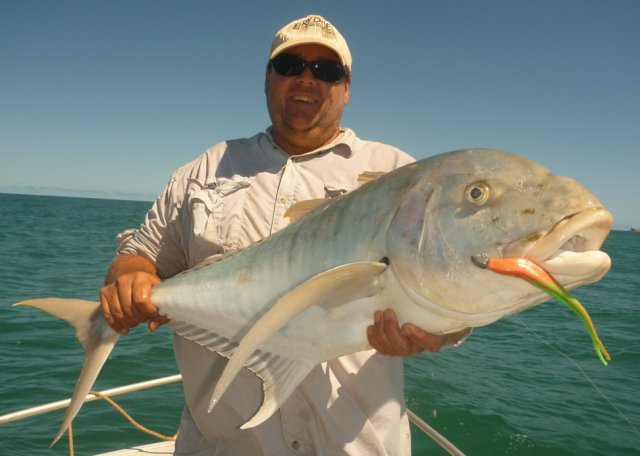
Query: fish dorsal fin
x=302, y=208
x=367, y=176
x=207, y=261
x=333, y=287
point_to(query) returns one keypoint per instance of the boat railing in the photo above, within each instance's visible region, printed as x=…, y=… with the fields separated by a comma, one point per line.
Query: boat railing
x=51, y=406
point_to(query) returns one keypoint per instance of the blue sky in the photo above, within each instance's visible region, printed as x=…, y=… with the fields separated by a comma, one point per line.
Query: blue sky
x=107, y=98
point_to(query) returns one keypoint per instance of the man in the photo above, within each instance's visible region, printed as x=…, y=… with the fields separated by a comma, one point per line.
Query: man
x=232, y=196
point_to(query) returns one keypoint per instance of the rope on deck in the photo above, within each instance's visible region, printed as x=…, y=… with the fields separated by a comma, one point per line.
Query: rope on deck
x=128, y=417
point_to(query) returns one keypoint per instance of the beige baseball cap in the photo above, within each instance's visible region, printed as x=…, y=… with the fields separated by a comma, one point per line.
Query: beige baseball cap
x=308, y=30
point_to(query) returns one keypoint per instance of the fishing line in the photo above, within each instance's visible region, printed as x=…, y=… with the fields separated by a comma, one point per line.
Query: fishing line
x=577, y=366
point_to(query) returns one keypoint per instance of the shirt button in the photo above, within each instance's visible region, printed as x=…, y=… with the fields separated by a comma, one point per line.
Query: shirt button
x=283, y=199
x=295, y=445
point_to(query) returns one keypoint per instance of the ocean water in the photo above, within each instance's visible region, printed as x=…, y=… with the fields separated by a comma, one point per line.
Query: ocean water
x=527, y=385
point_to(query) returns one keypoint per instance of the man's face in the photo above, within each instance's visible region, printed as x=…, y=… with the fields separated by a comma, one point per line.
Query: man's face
x=305, y=112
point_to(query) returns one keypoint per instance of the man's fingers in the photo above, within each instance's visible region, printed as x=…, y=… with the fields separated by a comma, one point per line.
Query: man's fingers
x=156, y=322
x=378, y=338
x=423, y=339
x=109, y=298
x=126, y=302
x=141, y=296
x=386, y=337
x=123, y=308
x=399, y=344
x=373, y=333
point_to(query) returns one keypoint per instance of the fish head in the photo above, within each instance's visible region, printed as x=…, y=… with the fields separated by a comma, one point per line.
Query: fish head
x=484, y=202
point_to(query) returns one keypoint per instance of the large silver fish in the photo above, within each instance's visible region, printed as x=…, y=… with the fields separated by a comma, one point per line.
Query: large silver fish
x=404, y=240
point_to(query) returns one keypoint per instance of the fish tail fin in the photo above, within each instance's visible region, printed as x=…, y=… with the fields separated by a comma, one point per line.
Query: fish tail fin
x=96, y=337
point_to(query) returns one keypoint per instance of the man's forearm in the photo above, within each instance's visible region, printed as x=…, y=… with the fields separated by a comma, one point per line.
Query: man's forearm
x=124, y=264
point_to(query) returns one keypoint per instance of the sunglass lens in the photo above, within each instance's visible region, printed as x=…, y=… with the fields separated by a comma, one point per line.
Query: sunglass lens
x=325, y=70
x=288, y=65
x=328, y=71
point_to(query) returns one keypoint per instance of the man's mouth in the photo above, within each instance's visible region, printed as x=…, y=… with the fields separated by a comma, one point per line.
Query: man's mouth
x=304, y=99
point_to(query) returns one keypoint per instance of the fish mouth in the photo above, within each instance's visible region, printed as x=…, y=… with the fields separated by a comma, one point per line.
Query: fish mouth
x=571, y=248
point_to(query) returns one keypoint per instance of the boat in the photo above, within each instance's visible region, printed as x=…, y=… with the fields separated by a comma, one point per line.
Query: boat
x=165, y=446
x=635, y=230
x=155, y=449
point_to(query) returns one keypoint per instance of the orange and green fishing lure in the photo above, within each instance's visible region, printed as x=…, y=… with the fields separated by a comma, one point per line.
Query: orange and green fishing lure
x=536, y=275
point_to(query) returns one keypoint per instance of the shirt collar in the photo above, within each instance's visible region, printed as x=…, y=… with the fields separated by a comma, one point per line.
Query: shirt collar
x=342, y=145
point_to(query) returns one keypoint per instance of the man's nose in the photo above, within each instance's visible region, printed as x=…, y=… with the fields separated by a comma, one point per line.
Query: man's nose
x=306, y=75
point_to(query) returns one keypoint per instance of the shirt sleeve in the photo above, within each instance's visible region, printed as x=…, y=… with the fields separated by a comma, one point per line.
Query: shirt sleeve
x=158, y=238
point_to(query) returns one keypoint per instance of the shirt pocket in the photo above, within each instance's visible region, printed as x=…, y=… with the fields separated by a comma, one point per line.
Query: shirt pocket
x=205, y=202
x=333, y=189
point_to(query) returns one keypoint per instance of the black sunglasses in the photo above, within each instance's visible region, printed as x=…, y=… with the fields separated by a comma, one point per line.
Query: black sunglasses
x=292, y=65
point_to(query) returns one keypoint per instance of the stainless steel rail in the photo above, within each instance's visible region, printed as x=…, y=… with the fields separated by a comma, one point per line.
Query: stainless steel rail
x=45, y=408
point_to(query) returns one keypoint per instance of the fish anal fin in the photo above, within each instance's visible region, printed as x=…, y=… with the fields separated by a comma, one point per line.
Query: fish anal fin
x=280, y=377
x=204, y=337
x=333, y=287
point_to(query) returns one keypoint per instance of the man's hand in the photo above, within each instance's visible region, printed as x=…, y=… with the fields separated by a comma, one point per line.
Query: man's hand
x=386, y=336
x=126, y=302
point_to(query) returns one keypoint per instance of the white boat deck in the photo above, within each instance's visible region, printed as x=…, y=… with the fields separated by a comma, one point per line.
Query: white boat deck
x=156, y=449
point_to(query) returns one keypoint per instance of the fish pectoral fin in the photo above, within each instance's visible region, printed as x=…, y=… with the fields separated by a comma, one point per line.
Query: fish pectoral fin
x=280, y=377
x=97, y=338
x=333, y=287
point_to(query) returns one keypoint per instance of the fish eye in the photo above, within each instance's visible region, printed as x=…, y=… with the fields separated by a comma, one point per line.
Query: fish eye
x=477, y=193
